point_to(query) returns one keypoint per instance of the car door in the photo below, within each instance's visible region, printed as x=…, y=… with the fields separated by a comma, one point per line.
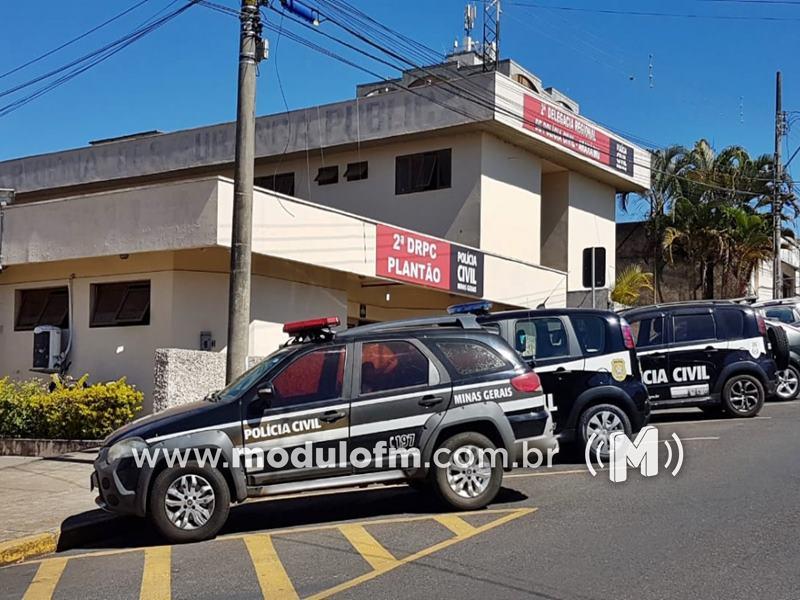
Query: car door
x=298, y=425
x=652, y=348
x=695, y=354
x=398, y=385
x=549, y=346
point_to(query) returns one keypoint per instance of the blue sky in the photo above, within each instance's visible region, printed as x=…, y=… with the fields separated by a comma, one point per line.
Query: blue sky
x=712, y=78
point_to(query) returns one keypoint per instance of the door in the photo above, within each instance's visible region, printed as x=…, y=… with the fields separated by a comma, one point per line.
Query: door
x=650, y=335
x=398, y=385
x=695, y=354
x=301, y=428
x=549, y=346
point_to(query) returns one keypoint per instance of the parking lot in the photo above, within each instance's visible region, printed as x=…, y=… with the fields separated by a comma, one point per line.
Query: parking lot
x=725, y=526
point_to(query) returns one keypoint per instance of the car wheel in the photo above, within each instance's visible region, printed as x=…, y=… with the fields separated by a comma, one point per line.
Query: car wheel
x=189, y=504
x=597, y=423
x=780, y=346
x=467, y=480
x=788, y=383
x=743, y=396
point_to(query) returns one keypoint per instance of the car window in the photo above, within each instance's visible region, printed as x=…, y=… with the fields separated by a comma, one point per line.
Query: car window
x=591, y=332
x=311, y=377
x=649, y=332
x=691, y=327
x=730, y=323
x=541, y=338
x=392, y=365
x=781, y=313
x=471, y=358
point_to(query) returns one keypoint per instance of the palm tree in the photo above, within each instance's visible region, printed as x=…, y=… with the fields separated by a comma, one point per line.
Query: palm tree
x=631, y=283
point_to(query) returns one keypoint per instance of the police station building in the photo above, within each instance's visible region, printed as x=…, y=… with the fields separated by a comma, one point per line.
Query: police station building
x=399, y=202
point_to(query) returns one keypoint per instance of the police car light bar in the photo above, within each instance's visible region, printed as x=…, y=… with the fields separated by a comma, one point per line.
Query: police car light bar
x=480, y=307
x=310, y=325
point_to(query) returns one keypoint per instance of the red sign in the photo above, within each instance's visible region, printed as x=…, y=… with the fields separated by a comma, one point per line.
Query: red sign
x=415, y=258
x=570, y=131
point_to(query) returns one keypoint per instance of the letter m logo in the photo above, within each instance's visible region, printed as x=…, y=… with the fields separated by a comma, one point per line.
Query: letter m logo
x=641, y=452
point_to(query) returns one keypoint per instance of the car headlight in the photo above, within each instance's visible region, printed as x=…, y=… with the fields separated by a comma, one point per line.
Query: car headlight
x=125, y=448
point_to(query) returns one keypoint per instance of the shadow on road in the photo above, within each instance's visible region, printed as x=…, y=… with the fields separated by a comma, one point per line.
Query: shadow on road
x=265, y=515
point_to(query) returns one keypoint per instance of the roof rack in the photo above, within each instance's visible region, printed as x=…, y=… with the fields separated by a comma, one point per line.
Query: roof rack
x=778, y=301
x=462, y=321
x=678, y=303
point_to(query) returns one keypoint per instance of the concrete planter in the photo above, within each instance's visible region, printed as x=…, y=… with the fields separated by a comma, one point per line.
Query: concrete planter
x=43, y=447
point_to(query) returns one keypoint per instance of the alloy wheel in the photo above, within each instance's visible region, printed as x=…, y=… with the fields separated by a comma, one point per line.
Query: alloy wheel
x=744, y=395
x=469, y=473
x=189, y=501
x=788, y=383
x=601, y=426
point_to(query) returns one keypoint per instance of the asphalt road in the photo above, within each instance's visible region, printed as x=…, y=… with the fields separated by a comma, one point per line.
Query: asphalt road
x=726, y=526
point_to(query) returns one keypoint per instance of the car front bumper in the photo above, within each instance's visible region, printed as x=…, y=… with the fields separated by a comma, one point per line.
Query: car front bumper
x=115, y=485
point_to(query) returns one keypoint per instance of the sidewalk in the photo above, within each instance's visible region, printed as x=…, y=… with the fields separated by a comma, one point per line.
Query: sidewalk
x=44, y=502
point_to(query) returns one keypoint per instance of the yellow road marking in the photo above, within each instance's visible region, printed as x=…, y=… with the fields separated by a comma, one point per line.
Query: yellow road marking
x=156, y=575
x=272, y=577
x=290, y=530
x=515, y=514
x=45, y=580
x=455, y=524
x=371, y=549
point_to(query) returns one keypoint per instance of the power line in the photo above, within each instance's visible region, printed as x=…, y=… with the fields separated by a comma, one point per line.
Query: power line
x=641, y=13
x=73, y=40
x=90, y=60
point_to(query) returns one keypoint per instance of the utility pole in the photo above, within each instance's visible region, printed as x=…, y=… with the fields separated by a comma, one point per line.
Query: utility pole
x=252, y=49
x=244, y=162
x=777, y=271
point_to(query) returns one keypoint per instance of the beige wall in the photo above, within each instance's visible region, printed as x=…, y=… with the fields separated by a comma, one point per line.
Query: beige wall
x=451, y=213
x=592, y=208
x=510, y=197
x=555, y=209
x=182, y=304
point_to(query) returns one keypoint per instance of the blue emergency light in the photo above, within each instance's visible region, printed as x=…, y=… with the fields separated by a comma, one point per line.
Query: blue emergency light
x=481, y=307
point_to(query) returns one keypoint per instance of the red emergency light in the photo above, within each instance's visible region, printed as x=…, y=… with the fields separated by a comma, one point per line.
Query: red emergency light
x=310, y=325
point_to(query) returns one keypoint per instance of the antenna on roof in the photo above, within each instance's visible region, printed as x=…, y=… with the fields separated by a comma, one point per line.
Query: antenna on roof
x=470, y=14
x=491, y=34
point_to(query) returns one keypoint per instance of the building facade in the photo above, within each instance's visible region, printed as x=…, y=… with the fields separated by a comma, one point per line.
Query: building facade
x=405, y=199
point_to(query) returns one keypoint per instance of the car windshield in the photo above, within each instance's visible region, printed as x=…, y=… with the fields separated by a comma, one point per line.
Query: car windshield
x=247, y=379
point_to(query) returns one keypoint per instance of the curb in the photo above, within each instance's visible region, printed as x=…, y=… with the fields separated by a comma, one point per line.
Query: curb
x=79, y=530
x=14, y=551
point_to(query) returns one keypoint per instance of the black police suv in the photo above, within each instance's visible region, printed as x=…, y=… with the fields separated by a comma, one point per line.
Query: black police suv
x=587, y=362
x=718, y=356
x=444, y=390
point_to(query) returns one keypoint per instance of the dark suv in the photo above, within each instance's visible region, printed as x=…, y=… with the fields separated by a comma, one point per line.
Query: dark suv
x=444, y=390
x=587, y=362
x=714, y=355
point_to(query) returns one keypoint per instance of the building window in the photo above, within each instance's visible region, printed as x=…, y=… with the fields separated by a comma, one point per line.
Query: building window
x=357, y=171
x=525, y=82
x=327, y=175
x=423, y=172
x=120, y=304
x=46, y=306
x=283, y=183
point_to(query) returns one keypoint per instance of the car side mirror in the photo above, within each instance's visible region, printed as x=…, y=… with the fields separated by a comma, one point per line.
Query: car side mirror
x=265, y=394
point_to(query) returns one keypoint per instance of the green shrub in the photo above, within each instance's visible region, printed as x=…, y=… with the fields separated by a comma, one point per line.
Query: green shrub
x=29, y=409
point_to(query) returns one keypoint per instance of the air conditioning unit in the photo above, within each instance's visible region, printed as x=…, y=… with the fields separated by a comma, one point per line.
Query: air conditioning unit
x=46, y=348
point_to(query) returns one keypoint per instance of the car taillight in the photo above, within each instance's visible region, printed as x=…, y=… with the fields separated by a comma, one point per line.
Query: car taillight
x=627, y=335
x=762, y=325
x=528, y=382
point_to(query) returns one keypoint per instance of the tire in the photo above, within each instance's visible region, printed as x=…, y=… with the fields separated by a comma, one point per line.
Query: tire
x=788, y=383
x=743, y=396
x=186, y=484
x=780, y=346
x=456, y=483
x=602, y=420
